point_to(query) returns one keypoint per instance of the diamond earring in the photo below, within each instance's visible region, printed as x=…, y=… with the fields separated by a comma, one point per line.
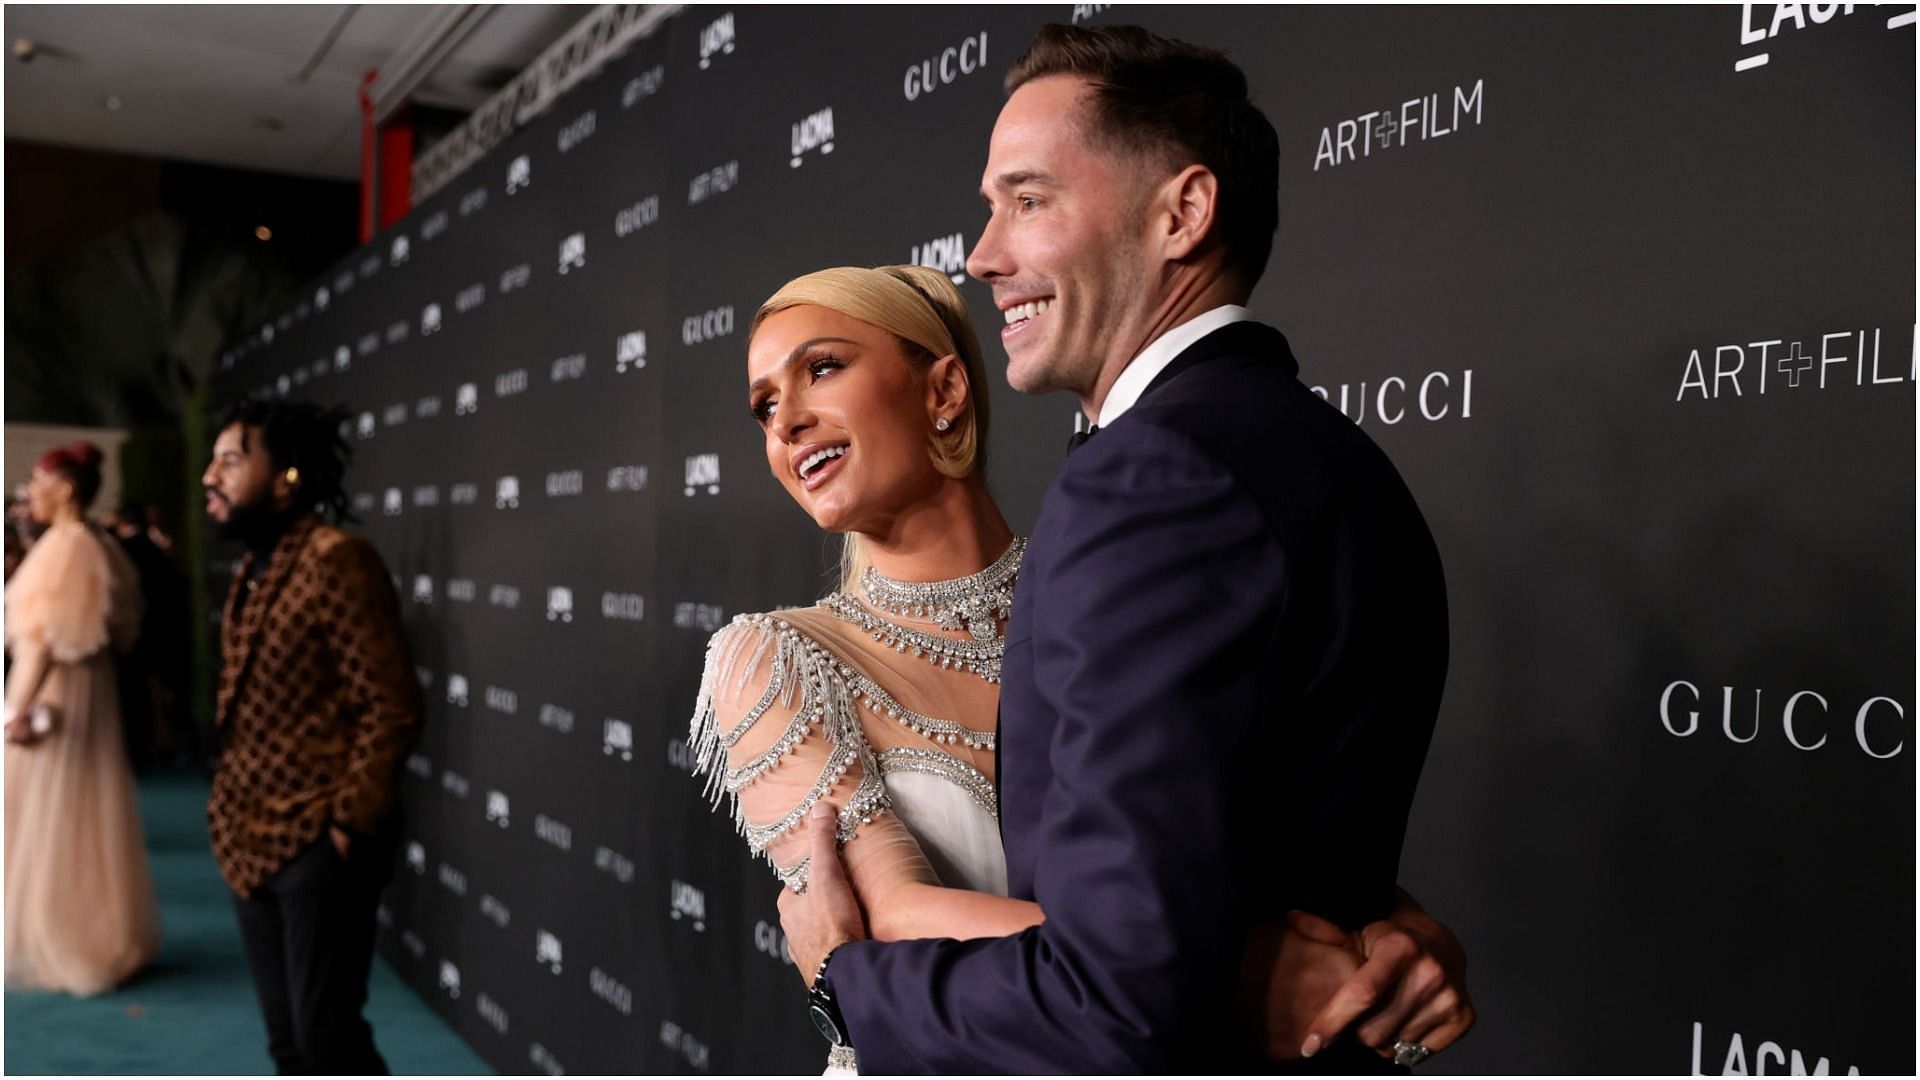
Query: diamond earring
x=942, y=424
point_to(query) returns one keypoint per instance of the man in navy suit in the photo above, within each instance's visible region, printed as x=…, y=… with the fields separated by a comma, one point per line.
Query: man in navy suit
x=1230, y=638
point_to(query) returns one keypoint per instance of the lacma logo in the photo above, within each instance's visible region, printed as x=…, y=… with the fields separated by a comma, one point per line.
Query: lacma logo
x=321, y=298
x=627, y=478
x=504, y=596
x=1390, y=128
x=813, y=133
x=462, y=589
x=416, y=857
x=703, y=471
x=1736, y=1060
x=506, y=493
x=946, y=68
x=947, y=254
x=516, y=277
x=630, y=351
x=457, y=690
x=466, y=400
x=453, y=880
x=450, y=978
x=473, y=201
x=342, y=358
x=426, y=495
x=470, y=297
x=1758, y=25
x=433, y=226
x=509, y=383
x=498, y=809
x=368, y=344
x=366, y=425
x=1789, y=365
x=429, y=319
x=391, y=503
x=573, y=252
x=400, y=250
x=519, y=173
x=422, y=589
x=715, y=39
x=618, y=739
x=546, y=950
x=568, y=368
x=560, y=604
x=690, y=904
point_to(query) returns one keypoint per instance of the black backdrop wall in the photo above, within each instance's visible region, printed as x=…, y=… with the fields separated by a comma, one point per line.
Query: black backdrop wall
x=1632, y=311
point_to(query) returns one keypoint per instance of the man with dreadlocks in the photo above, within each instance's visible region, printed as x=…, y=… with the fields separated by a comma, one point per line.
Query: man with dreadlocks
x=317, y=708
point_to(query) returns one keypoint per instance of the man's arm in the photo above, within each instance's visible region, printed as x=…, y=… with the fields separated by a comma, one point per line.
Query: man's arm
x=376, y=672
x=1161, y=582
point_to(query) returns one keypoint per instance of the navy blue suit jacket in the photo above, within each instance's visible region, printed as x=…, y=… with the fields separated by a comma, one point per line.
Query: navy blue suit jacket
x=1227, y=650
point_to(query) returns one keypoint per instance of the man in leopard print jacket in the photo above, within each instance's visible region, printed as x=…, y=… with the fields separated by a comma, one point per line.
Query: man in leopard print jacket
x=317, y=708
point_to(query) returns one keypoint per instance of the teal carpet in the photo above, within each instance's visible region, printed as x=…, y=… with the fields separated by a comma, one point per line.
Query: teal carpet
x=193, y=1011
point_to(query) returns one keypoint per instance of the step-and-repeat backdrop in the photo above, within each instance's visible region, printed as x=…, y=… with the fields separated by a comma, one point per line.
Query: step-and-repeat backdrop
x=1628, y=295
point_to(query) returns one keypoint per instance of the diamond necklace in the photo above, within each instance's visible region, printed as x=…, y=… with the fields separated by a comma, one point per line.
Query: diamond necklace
x=976, y=602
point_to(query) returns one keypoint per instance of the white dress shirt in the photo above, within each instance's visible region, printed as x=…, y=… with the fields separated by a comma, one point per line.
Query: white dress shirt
x=1153, y=359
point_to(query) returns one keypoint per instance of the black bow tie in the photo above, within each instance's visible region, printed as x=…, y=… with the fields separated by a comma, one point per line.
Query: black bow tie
x=1078, y=438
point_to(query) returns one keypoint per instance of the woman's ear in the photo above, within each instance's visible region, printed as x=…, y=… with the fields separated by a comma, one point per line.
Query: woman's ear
x=948, y=391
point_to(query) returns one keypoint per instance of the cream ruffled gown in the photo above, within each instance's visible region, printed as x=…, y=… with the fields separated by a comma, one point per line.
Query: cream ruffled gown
x=81, y=915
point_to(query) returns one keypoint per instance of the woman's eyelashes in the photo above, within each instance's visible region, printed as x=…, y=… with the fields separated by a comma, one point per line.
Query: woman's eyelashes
x=818, y=367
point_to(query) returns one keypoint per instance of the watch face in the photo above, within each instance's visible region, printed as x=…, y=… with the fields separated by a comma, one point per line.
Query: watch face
x=828, y=1029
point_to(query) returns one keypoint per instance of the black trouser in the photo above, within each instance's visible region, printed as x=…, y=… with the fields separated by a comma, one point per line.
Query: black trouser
x=309, y=934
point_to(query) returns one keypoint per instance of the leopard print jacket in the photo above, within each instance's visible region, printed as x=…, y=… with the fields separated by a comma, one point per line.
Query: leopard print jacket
x=317, y=705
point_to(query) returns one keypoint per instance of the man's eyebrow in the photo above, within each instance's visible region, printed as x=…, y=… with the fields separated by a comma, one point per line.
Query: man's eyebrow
x=794, y=358
x=1017, y=178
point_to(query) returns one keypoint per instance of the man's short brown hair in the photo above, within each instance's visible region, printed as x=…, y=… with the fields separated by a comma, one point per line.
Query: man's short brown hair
x=1176, y=104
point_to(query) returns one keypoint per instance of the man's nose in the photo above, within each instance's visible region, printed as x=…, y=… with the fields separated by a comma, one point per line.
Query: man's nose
x=986, y=262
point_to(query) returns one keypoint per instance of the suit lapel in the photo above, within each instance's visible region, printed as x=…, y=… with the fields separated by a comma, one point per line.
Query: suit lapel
x=246, y=623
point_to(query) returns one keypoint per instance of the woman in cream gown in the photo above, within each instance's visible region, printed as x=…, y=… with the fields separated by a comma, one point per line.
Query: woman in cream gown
x=882, y=699
x=81, y=916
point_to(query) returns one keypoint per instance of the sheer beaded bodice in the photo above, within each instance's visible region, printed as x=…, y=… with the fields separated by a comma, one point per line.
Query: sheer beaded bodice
x=876, y=707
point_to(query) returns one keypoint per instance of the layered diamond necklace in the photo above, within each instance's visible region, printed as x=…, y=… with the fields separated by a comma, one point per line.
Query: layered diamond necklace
x=975, y=603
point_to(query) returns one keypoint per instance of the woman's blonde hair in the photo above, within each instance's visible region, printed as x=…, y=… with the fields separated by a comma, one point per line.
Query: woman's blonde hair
x=921, y=308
